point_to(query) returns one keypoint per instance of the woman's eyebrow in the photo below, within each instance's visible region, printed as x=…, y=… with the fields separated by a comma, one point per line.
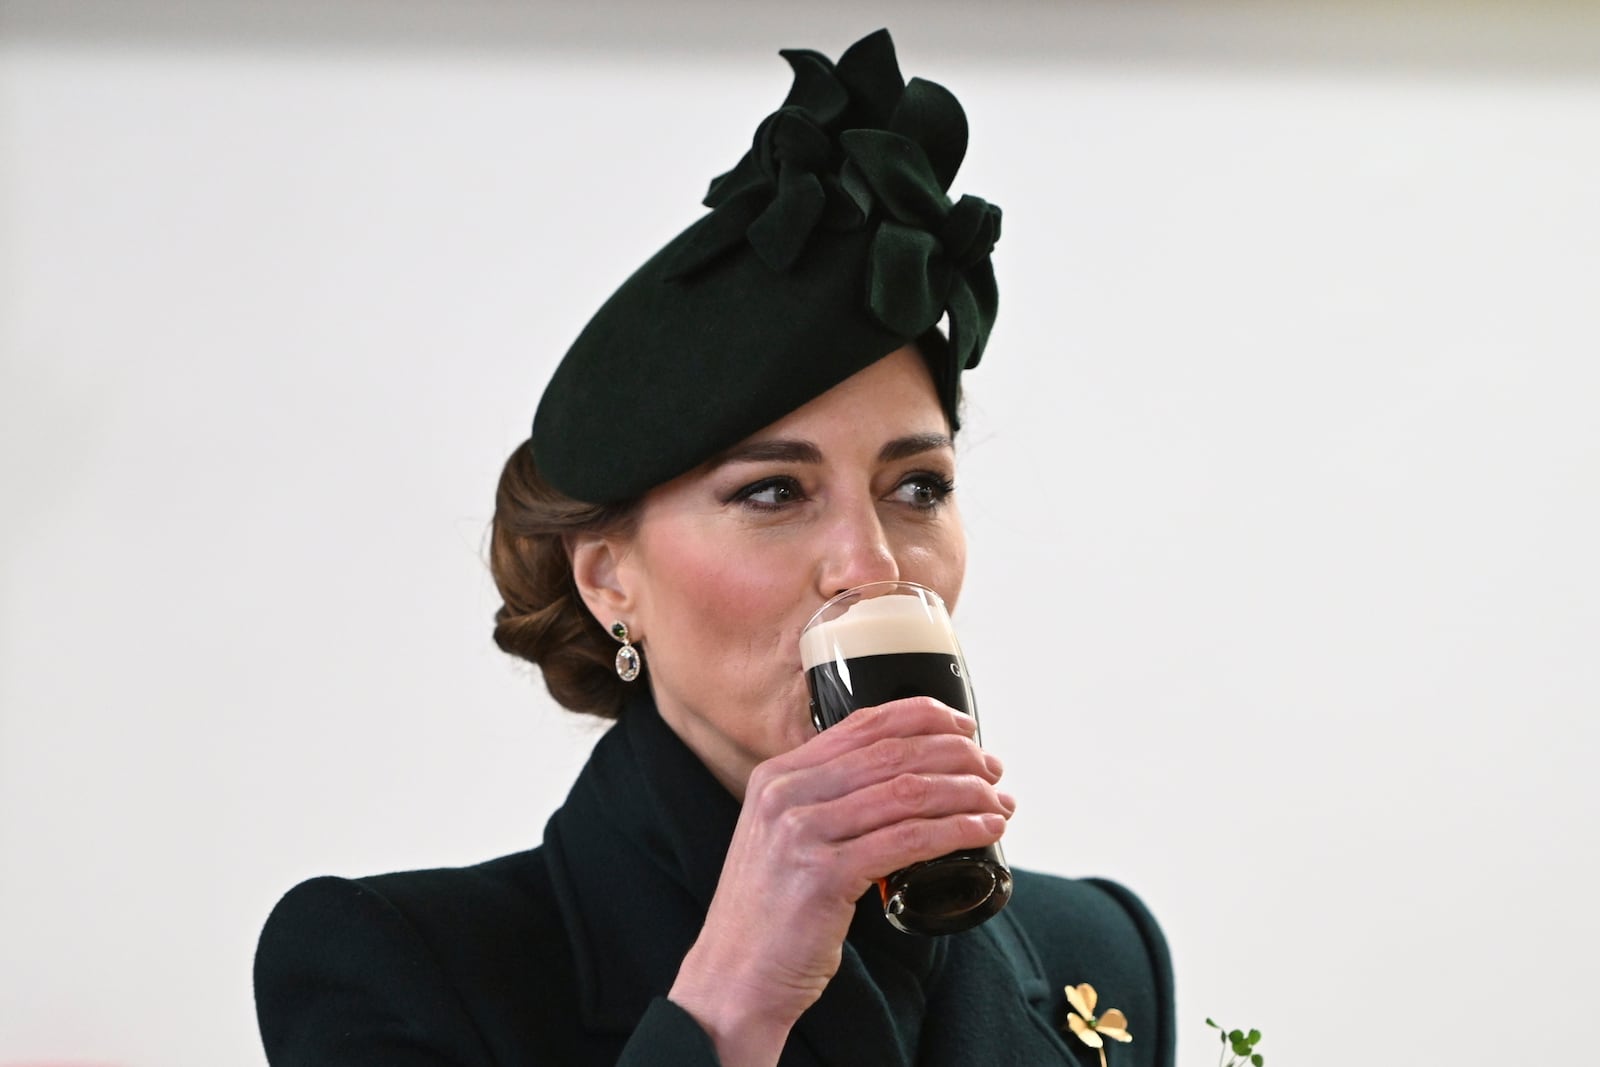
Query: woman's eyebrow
x=790, y=450
x=776, y=450
x=914, y=445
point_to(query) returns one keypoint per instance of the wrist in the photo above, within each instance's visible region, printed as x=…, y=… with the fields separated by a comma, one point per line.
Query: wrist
x=748, y=1024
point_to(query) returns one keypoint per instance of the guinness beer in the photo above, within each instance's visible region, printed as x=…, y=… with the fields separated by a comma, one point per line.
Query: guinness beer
x=882, y=642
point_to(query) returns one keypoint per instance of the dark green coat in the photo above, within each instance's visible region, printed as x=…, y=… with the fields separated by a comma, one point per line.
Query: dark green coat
x=563, y=955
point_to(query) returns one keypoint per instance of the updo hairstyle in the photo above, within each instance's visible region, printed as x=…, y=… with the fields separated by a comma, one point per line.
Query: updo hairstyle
x=543, y=618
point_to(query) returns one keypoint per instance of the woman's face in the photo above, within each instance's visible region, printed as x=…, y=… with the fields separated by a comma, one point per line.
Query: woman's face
x=728, y=561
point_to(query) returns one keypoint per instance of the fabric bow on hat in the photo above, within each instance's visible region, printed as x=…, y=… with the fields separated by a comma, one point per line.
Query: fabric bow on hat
x=780, y=191
x=928, y=256
x=902, y=145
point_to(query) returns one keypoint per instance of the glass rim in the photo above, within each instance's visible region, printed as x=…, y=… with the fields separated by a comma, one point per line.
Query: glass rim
x=913, y=588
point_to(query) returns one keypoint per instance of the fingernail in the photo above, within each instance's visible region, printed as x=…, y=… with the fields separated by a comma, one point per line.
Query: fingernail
x=993, y=765
x=993, y=823
x=1008, y=802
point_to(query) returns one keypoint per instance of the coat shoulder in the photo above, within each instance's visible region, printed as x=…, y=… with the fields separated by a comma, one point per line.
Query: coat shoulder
x=1097, y=931
x=450, y=962
x=492, y=927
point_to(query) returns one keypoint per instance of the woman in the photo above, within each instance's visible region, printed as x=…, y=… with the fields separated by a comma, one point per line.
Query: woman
x=760, y=417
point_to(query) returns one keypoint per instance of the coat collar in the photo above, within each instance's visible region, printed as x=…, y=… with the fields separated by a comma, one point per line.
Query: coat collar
x=634, y=857
x=635, y=854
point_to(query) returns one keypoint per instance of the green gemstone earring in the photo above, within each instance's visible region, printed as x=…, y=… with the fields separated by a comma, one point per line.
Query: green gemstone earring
x=627, y=655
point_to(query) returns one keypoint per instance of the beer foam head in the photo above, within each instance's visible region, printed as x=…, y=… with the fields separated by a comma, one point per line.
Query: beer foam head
x=880, y=626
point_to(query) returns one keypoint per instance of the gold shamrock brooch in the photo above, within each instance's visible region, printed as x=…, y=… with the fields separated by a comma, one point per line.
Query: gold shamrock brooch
x=1093, y=1030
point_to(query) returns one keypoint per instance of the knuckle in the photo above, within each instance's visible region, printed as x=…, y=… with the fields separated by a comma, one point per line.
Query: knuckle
x=970, y=749
x=792, y=823
x=890, y=752
x=965, y=755
x=865, y=720
x=771, y=797
x=911, y=837
x=760, y=778
x=910, y=789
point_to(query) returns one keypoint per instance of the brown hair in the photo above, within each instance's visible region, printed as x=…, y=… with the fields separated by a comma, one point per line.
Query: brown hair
x=543, y=619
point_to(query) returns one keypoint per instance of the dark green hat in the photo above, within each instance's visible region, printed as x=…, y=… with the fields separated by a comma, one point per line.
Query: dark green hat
x=830, y=245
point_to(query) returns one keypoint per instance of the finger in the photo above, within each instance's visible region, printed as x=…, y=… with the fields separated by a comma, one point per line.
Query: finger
x=896, y=717
x=881, y=761
x=909, y=717
x=902, y=798
x=890, y=848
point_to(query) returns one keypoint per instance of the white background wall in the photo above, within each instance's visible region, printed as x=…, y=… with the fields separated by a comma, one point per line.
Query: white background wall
x=1281, y=475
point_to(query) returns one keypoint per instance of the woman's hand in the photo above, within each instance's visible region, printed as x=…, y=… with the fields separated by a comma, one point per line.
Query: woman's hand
x=887, y=787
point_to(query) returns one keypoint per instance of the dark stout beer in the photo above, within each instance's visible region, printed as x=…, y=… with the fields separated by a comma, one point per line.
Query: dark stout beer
x=884, y=649
x=837, y=689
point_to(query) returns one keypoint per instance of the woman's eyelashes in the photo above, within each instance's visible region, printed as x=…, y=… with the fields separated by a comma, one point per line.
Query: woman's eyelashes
x=920, y=490
x=769, y=494
x=925, y=490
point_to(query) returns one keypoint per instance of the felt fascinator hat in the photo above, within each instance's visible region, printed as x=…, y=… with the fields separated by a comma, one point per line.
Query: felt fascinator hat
x=831, y=244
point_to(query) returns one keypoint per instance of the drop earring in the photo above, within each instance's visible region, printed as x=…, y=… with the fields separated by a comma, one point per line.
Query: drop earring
x=627, y=655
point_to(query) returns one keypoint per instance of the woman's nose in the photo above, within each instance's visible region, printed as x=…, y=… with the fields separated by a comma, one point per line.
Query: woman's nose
x=856, y=551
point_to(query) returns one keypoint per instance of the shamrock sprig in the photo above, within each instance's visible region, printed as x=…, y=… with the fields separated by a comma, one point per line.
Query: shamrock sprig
x=1238, y=1047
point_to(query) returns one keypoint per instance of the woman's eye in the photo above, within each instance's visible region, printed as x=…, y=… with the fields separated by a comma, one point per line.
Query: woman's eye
x=770, y=493
x=925, y=491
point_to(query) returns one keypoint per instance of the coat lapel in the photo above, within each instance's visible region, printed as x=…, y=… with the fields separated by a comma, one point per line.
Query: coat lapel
x=989, y=1004
x=634, y=857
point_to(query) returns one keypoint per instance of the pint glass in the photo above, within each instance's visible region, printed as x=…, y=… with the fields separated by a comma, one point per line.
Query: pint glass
x=881, y=642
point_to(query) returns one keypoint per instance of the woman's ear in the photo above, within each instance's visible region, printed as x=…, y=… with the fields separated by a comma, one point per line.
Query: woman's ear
x=597, y=574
